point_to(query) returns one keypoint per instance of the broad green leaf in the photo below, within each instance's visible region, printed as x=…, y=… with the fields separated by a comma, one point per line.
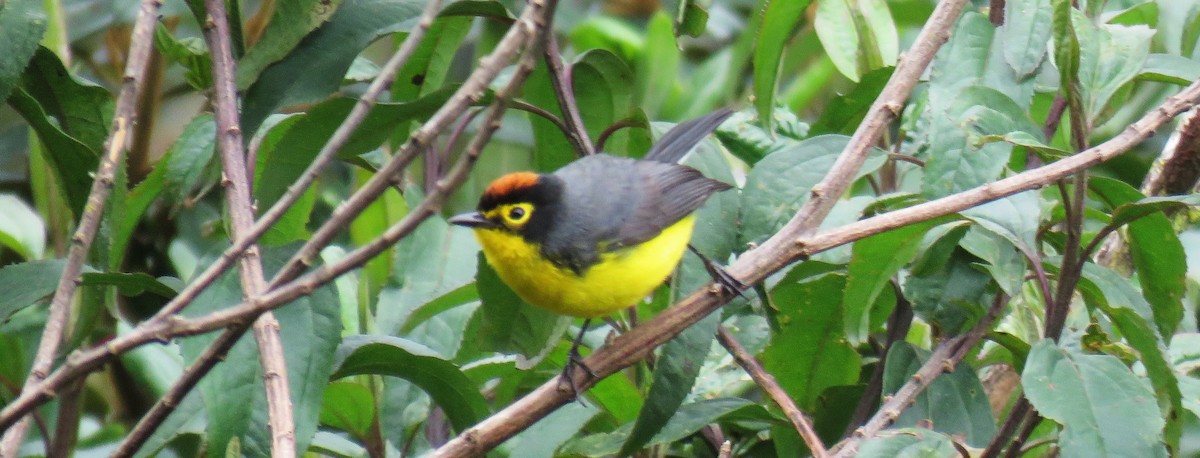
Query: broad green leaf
x=128, y=284
x=1143, y=337
x=21, y=229
x=1103, y=407
x=859, y=36
x=1109, y=56
x=184, y=167
x=1154, y=247
x=951, y=297
x=954, y=404
x=1168, y=68
x=1139, y=14
x=874, y=261
x=235, y=402
x=609, y=33
x=908, y=443
x=490, y=9
x=779, y=184
x=657, y=66
x=290, y=22
x=1103, y=287
x=1005, y=262
x=603, y=84
x=551, y=149
x=845, y=112
x=1025, y=32
x=348, y=406
x=314, y=69
x=432, y=261
x=542, y=439
x=397, y=357
x=325, y=443
x=954, y=162
x=426, y=70
x=27, y=283
x=509, y=324
x=779, y=19
x=972, y=58
x=191, y=53
x=1016, y=218
x=22, y=23
x=751, y=143
x=808, y=350
x=689, y=419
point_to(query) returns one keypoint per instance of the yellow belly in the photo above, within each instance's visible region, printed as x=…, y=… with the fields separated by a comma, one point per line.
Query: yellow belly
x=619, y=280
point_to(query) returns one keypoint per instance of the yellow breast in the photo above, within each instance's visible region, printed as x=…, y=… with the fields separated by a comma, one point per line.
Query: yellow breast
x=619, y=280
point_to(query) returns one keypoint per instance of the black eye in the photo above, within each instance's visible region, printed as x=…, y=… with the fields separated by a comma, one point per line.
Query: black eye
x=516, y=213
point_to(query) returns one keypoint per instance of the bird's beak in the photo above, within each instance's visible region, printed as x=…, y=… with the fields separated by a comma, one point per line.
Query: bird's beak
x=472, y=220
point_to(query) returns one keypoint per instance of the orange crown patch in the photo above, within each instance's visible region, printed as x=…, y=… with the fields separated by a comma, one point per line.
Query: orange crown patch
x=510, y=183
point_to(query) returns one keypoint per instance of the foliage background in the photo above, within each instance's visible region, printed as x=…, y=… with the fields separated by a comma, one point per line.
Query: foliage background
x=423, y=341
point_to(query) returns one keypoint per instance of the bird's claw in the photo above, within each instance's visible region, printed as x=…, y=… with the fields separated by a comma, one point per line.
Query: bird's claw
x=574, y=359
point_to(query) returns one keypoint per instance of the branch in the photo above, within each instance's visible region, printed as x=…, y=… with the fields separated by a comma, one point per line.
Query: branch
x=560, y=78
x=125, y=117
x=944, y=359
x=241, y=215
x=769, y=386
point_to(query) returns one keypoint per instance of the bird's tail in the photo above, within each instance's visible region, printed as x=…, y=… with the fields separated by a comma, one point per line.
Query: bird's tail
x=680, y=139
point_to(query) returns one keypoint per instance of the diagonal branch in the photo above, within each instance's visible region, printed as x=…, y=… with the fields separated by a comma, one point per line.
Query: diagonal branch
x=114, y=155
x=237, y=182
x=771, y=387
x=560, y=79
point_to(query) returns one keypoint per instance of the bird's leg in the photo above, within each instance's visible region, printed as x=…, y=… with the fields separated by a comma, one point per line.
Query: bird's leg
x=575, y=359
x=719, y=275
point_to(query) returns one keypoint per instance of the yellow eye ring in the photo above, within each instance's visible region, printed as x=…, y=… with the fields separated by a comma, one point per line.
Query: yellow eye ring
x=516, y=215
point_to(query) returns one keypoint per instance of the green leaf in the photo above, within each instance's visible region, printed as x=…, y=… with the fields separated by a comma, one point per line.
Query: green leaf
x=779, y=19
x=509, y=324
x=689, y=419
x=314, y=69
x=1016, y=218
x=603, y=84
x=431, y=262
x=1005, y=262
x=542, y=439
x=1169, y=68
x=779, y=184
x=972, y=57
x=397, y=357
x=955, y=403
x=21, y=229
x=845, y=112
x=348, y=406
x=858, y=36
x=874, y=261
x=310, y=329
x=657, y=66
x=908, y=443
x=479, y=8
x=955, y=163
x=1144, y=338
x=951, y=297
x=808, y=350
x=1025, y=32
x=290, y=22
x=190, y=52
x=1109, y=56
x=1102, y=287
x=1103, y=407
x=751, y=143
x=551, y=149
x=129, y=284
x=27, y=283
x=22, y=24
x=425, y=71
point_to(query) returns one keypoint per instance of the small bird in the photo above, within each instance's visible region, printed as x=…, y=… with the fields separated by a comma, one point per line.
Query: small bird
x=599, y=234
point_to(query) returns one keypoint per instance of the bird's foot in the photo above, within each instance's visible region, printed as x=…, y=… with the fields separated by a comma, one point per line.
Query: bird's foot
x=574, y=359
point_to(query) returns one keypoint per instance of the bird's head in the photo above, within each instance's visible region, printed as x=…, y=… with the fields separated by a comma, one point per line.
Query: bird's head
x=520, y=203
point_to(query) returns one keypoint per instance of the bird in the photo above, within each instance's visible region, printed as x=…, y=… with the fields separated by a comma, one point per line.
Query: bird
x=599, y=234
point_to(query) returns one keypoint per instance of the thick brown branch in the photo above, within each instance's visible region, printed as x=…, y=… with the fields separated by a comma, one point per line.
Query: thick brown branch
x=114, y=154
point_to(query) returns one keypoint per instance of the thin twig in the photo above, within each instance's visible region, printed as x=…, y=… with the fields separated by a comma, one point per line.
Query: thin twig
x=769, y=386
x=241, y=214
x=560, y=79
x=944, y=359
x=124, y=118
x=610, y=130
x=542, y=113
x=1015, y=416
